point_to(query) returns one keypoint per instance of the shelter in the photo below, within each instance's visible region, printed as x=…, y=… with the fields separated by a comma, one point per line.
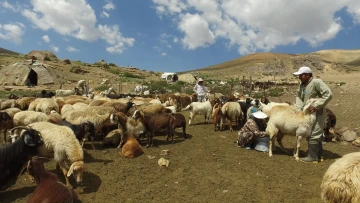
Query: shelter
x=169, y=77
x=20, y=73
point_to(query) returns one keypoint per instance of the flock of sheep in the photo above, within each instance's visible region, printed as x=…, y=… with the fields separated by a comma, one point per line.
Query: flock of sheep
x=59, y=125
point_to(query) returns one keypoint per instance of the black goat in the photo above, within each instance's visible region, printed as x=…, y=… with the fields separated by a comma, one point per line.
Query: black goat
x=330, y=122
x=82, y=131
x=14, y=156
x=6, y=122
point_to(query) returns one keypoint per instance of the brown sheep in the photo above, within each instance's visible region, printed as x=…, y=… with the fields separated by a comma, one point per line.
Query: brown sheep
x=23, y=103
x=49, y=187
x=131, y=147
x=180, y=122
x=217, y=115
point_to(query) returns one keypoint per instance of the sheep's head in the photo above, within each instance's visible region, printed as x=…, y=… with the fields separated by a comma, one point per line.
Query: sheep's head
x=308, y=104
x=77, y=169
x=137, y=114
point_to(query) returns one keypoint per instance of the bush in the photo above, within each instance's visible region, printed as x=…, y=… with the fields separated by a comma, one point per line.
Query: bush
x=112, y=64
x=101, y=88
x=276, y=92
x=130, y=75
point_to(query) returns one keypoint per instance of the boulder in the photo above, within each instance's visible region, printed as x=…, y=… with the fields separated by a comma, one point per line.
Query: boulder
x=102, y=63
x=349, y=135
x=66, y=61
x=38, y=55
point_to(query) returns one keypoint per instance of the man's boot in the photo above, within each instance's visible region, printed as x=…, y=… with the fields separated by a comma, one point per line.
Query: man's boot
x=320, y=151
x=313, y=150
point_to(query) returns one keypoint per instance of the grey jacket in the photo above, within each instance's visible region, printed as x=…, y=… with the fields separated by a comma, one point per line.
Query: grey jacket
x=316, y=88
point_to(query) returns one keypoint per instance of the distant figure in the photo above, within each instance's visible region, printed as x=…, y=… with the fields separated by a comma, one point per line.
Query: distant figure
x=200, y=89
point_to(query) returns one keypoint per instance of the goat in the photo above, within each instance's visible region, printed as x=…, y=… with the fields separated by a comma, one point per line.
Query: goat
x=285, y=121
x=6, y=122
x=330, y=122
x=14, y=156
x=341, y=180
x=61, y=93
x=49, y=188
x=180, y=122
x=217, y=116
x=199, y=108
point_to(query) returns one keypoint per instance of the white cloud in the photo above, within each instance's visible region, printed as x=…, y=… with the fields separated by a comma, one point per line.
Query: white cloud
x=176, y=40
x=109, y=6
x=71, y=49
x=13, y=8
x=252, y=25
x=12, y=32
x=105, y=14
x=46, y=38
x=55, y=48
x=163, y=54
x=77, y=19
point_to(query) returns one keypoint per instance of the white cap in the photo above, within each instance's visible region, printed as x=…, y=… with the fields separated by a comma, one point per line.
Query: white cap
x=303, y=70
x=200, y=80
x=259, y=114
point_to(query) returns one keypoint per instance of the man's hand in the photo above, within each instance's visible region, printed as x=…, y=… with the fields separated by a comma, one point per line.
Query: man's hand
x=312, y=109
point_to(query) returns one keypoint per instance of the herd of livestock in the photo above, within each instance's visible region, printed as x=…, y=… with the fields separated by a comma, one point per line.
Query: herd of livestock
x=57, y=125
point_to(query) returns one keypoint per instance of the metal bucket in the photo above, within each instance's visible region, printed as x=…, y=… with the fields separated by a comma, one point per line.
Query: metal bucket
x=262, y=144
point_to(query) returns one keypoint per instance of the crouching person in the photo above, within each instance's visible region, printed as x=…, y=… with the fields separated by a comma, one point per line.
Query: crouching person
x=254, y=127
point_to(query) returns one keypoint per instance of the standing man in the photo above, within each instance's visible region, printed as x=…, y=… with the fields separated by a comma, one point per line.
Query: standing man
x=313, y=88
x=200, y=89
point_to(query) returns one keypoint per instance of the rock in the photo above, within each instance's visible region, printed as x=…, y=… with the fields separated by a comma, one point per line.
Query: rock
x=39, y=55
x=356, y=142
x=102, y=63
x=163, y=162
x=349, y=135
x=66, y=61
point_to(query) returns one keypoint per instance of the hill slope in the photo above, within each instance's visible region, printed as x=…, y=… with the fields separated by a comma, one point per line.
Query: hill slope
x=5, y=51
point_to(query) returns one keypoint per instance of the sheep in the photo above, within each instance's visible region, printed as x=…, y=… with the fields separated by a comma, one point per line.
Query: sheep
x=9, y=103
x=66, y=108
x=47, y=105
x=134, y=125
x=131, y=147
x=82, y=131
x=231, y=110
x=113, y=138
x=24, y=118
x=149, y=109
x=61, y=144
x=199, y=108
x=285, y=121
x=266, y=108
x=49, y=188
x=46, y=94
x=341, y=180
x=6, y=122
x=23, y=103
x=61, y=93
x=14, y=156
x=119, y=106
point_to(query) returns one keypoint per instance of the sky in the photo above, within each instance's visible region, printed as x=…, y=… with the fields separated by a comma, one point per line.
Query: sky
x=177, y=35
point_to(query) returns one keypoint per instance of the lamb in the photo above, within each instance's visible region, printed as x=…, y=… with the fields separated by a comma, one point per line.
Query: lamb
x=285, y=121
x=131, y=147
x=61, y=144
x=180, y=122
x=61, y=93
x=231, y=111
x=217, y=116
x=49, y=188
x=199, y=108
x=14, y=156
x=341, y=180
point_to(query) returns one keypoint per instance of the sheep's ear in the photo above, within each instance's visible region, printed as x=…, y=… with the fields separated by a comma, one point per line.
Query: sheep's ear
x=29, y=140
x=71, y=170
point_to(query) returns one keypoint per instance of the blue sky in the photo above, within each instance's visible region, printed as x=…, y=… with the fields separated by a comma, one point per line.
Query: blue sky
x=177, y=35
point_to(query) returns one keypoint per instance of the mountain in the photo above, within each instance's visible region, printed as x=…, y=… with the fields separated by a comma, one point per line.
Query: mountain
x=264, y=66
x=5, y=51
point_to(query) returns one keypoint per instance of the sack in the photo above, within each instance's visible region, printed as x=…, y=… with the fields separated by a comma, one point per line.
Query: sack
x=245, y=139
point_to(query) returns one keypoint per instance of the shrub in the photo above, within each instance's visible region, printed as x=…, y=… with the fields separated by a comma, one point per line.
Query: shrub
x=276, y=92
x=101, y=88
x=131, y=75
x=112, y=64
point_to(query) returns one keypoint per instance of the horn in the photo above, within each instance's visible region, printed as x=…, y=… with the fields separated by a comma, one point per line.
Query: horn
x=20, y=127
x=41, y=157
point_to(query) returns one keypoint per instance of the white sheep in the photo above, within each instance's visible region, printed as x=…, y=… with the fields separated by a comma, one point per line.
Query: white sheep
x=61, y=144
x=266, y=108
x=285, y=121
x=231, y=111
x=199, y=108
x=24, y=118
x=61, y=93
x=47, y=105
x=341, y=182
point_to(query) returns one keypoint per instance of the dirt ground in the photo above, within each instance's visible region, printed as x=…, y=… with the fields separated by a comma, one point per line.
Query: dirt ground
x=206, y=167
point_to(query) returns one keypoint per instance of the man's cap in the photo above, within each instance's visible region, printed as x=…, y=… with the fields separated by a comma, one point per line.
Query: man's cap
x=303, y=70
